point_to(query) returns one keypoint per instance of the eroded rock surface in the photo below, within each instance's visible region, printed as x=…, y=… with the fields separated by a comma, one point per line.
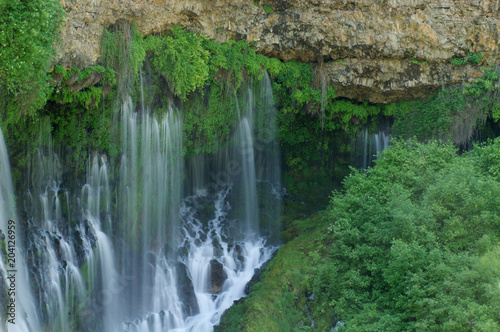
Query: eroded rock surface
x=380, y=40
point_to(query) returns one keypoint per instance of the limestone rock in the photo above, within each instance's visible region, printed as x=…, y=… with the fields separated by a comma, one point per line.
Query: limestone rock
x=377, y=38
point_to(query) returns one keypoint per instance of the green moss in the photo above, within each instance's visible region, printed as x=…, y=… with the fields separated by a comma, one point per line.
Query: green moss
x=181, y=59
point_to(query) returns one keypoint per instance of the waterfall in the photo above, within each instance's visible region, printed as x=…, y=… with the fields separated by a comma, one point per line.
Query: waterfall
x=13, y=272
x=366, y=147
x=248, y=184
x=148, y=241
x=188, y=284
x=150, y=182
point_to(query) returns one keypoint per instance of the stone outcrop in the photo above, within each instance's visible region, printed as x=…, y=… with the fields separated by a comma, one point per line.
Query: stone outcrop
x=217, y=276
x=383, y=43
x=381, y=81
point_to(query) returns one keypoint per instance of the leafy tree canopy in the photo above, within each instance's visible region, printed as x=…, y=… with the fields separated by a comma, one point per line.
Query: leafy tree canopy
x=412, y=244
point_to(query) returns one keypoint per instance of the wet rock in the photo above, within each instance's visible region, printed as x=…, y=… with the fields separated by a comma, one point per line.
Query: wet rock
x=217, y=276
x=203, y=237
x=218, y=250
x=169, y=253
x=182, y=253
x=238, y=254
x=165, y=317
x=185, y=291
x=79, y=247
x=90, y=233
x=56, y=239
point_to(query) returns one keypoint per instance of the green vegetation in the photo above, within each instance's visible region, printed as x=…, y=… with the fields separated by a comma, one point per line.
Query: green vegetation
x=472, y=58
x=409, y=245
x=181, y=60
x=417, y=62
x=450, y=114
x=28, y=31
x=459, y=62
x=215, y=77
x=81, y=113
x=122, y=50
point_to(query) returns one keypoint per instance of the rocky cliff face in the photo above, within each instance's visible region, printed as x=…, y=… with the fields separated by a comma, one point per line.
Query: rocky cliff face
x=376, y=50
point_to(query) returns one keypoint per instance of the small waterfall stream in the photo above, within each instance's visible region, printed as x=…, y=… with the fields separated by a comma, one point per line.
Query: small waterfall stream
x=368, y=144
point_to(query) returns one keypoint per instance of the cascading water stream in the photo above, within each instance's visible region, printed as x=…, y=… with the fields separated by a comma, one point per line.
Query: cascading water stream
x=220, y=270
x=155, y=176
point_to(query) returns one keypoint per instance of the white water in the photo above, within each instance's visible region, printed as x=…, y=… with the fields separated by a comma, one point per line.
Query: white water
x=202, y=250
x=238, y=260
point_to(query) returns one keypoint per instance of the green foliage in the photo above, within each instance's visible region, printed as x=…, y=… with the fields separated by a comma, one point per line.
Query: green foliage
x=487, y=158
x=219, y=118
x=122, y=50
x=427, y=119
x=28, y=32
x=80, y=111
x=268, y=9
x=188, y=62
x=82, y=90
x=459, y=62
x=451, y=114
x=82, y=102
x=413, y=231
x=410, y=245
x=484, y=86
x=472, y=58
x=181, y=59
x=418, y=62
